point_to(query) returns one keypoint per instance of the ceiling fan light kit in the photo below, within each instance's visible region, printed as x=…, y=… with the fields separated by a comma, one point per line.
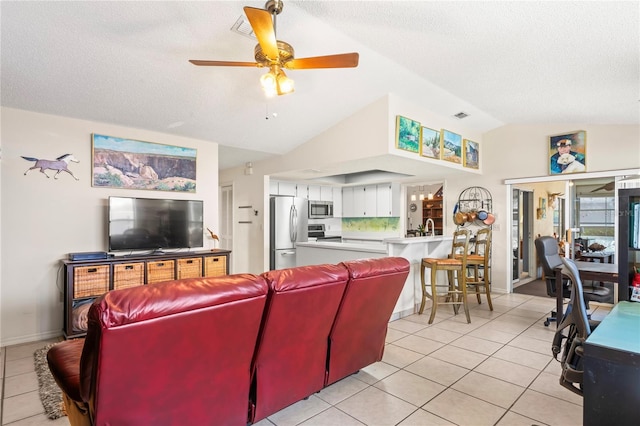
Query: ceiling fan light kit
x=277, y=54
x=276, y=82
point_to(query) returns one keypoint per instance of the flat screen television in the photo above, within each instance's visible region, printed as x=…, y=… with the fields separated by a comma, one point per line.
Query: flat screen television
x=154, y=224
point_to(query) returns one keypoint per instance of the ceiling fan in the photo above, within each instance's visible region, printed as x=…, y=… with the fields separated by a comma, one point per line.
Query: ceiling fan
x=277, y=54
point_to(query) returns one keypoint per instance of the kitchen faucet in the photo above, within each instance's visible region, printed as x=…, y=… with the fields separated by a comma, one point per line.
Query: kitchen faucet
x=433, y=227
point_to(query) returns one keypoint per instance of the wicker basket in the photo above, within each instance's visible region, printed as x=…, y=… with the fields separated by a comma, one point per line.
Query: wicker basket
x=163, y=270
x=90, y=280
x=215, y=266
x=127, y=275
x=190, y=267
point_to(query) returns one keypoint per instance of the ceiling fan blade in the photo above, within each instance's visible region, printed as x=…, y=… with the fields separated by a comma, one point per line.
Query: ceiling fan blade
x=223, y=63
x=344, y=60
x=262, y=25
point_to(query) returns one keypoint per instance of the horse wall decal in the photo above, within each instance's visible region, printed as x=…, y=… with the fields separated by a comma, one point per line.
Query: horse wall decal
x=60, y=164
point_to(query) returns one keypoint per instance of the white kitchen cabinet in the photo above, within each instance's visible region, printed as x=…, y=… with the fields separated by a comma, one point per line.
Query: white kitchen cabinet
x=383, y=201
x=370, y=201
x=395, y=199
x=337, y=201
x=348, y=209
x=326, y=193
x=388, y=200
x=287, y=188
x=360, y=201
x=302, y=191
x=314, y=192
x=273, y=187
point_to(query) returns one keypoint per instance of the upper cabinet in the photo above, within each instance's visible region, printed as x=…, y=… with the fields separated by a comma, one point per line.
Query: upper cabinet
x=326, y=194
x=283, y=188
x=381, y=200
x=320, y=193
x=314, y=192
x=337, y=201
x=310, y=192
x=388, y=200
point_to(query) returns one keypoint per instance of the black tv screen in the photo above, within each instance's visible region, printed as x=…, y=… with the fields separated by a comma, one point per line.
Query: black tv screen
x=154, y=224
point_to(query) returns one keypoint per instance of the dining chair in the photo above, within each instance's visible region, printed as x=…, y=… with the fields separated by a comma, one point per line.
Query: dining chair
x=454, y=291
x=478, y=275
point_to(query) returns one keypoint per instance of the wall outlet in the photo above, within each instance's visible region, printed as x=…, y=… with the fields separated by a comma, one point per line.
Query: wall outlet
x=496, y=227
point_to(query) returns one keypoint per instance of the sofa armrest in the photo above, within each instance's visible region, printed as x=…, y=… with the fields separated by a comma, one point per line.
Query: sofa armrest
x=64, y=363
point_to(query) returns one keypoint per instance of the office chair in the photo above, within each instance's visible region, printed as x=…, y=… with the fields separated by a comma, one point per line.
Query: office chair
x=547, y=250
x=572, y=332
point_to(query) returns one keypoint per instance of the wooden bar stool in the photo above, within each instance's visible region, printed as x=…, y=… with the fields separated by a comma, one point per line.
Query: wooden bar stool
x=478, y=262
x=455, y=291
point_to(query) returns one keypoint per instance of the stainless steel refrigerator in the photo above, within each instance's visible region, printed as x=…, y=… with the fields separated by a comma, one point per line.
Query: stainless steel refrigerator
x=289, y=217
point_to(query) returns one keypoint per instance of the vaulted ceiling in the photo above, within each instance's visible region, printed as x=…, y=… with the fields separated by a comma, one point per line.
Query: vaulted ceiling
x=500, y=62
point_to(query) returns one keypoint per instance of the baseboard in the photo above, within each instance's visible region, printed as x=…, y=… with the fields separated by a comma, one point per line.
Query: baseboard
x=403, y=314
x=30, y=338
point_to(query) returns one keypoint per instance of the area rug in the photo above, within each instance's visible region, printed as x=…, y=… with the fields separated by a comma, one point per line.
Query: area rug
x=50, y=393
x=533, y=288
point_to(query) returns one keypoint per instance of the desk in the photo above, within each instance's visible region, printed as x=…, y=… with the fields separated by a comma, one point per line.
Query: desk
x=597, y=255
x=605, y=272
x=611, y=380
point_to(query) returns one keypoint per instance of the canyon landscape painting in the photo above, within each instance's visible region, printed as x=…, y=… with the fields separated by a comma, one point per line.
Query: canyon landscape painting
x=127, y=163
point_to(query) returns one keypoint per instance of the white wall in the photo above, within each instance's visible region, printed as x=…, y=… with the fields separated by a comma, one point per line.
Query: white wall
x=45, y=219
x=519, y=151
x=368, y=133
x=513, y=151
x=251, y=243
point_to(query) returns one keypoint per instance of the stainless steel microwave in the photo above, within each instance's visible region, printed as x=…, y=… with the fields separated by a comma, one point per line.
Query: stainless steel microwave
x=320, y=209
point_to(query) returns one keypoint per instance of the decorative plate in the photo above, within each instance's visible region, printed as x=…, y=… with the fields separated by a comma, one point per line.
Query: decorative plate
x=413, y=207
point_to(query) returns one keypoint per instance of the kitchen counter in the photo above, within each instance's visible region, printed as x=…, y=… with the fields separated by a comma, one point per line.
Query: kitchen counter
x=413, y=249
x=417, y=240
x=334, y=245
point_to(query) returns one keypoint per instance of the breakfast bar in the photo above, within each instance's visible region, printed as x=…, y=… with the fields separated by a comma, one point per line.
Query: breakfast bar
x=413, y=249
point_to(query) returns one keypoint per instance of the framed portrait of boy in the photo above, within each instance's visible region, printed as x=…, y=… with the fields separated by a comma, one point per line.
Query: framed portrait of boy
x=568, y=153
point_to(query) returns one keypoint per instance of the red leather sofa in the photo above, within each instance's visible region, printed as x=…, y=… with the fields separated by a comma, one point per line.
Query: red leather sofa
x=226, y=350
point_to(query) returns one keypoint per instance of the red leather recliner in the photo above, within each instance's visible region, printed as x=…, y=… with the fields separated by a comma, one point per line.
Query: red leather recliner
x=291, y=355
x=358, y=335
x=177, y=352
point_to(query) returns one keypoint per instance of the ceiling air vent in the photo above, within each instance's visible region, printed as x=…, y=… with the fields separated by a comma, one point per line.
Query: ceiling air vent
x=243, y=27
x=461, y=115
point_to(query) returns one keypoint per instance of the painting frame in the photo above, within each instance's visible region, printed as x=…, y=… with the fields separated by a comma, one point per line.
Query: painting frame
x=406, y=137
x=471, y=151
x=451, y=146
x=430, y=143
x=133, y=164
x=567, y=153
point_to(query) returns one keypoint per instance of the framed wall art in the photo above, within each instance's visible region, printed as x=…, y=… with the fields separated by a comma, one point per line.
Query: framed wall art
x=451, y=146
x=407, y=134
x=430, y=143
x=471, y=154
x=568, y=153
x=132, y=164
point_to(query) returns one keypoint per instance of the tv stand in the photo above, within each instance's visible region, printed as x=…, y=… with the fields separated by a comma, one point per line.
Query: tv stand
x=85, y=280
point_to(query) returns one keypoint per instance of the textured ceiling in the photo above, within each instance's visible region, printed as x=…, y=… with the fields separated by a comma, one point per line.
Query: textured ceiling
x=501, y=62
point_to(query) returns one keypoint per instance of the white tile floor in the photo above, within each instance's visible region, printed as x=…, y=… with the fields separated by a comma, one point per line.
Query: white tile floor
x=498, y=370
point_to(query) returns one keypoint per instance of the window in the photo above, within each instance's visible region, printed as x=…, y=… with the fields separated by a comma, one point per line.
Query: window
x=596, y=216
